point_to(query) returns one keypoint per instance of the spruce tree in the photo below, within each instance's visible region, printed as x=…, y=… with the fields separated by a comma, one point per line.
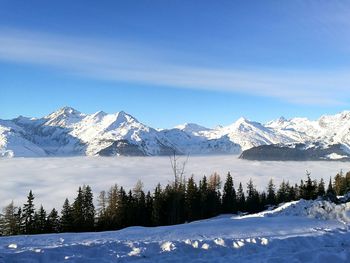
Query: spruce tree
x=157, y=214
x=53, y=222
x=149, y=209
x=252, y=202
x=330, y=193
x=88, y=209
x=282, y=193
x=192, y=201
x=229, y=199
x=241, y=202
x=271, y=193
x=321, y=188
x=66, y=222
x=28, y=214
x=78, y=212
x=40, y=221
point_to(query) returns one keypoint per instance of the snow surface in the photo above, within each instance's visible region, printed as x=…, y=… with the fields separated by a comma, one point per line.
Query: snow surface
x=54, y=179
x=294, y=232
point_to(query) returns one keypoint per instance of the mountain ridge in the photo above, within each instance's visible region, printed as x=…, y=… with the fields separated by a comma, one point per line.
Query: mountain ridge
x=68, y=132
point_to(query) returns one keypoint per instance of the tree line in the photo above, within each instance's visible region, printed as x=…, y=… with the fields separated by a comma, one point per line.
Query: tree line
x=178, y=202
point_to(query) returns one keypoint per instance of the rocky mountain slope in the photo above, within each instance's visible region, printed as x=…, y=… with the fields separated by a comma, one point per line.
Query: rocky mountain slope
x=68, y=132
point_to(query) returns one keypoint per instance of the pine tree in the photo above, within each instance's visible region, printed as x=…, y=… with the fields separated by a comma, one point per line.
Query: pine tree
x=310, y=188
x=282, y=193
x=229, y=199
x=88, y=209
x=192, y=201
x=28, y=214
x=330, y=193
x=157, y=214
x=149, y=209
x=321, y=188
x=78, y=212
x=241, y=202
x=271, y=193
x=40, y=221
x=53, y=222
x=123, y=209
x=252, y=202
x=67, y=219
x=203, y=190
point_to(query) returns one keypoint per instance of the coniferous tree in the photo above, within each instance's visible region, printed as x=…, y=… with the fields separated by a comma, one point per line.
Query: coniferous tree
x=241, y=202
x=78, y=211
x=282, y=193
x=67, y=217
x=157, y=213
x=292, y=192
x=40, y=221
x=262, y=201
x=203, y=190
x=19, y=222
x=192, y=201
x=310, y=188
x=53, y=222
x=28, y=214
x=229, y=199
x=271, y=193
x=321, y=188
x=252, y=201
x=88, y=209
x=330, y=193
x=149, y=209
x=123, y=205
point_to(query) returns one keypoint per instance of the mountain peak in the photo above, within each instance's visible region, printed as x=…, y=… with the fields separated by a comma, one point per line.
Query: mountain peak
x=64, y=116
x=191, y=127
x=64, y=111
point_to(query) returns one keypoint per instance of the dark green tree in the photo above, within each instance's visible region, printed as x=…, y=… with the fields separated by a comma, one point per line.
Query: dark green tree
x=241, y=202
x=229, y=199
x=271, y=193
x=67, y=217
x=28, y=214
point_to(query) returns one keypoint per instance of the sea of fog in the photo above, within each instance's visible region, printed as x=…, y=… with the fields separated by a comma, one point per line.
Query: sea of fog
x=53, y=179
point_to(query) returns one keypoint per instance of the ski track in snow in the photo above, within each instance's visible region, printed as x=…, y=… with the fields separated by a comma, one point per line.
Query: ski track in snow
x=275, y=238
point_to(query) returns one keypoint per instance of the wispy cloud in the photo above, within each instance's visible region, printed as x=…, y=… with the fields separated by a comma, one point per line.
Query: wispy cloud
x=121, y=61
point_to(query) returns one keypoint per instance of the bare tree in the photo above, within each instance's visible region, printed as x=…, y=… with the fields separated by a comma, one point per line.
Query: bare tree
x=178, y=169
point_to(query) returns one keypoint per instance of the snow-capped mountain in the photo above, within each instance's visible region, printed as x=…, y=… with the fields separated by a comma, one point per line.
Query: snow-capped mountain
x=69, y=132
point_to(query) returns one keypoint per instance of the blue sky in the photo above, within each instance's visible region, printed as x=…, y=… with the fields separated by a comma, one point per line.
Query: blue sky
x=170, y=62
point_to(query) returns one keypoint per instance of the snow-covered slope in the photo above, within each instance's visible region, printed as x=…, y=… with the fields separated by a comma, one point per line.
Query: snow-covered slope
x=329, y=129
x=69, y=132
x=304, y=231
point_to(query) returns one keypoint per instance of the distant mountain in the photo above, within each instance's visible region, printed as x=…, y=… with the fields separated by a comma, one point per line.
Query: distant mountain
x=68, y=132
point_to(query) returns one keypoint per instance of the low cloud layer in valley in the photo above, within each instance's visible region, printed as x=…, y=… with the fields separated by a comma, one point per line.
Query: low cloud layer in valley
x=53, y=179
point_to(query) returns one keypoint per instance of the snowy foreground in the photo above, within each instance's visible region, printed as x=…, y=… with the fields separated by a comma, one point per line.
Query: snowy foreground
x=304, y=231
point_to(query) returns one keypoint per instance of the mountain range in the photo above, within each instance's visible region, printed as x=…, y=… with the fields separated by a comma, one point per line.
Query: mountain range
x=68, y=132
